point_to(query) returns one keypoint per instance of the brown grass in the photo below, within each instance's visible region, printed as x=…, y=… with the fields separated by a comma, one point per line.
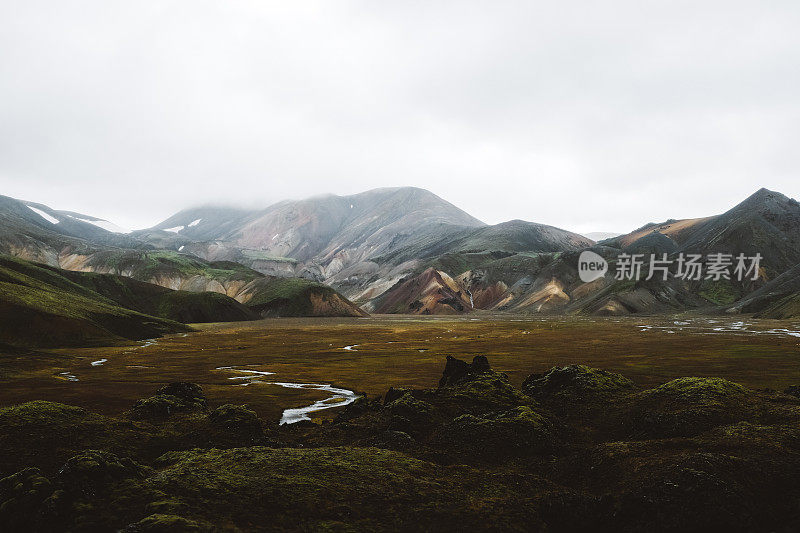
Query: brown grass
x=395, y=351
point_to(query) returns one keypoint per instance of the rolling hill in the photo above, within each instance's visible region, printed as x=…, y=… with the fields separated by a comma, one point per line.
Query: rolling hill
x=405, y=250
x=41, y=308
x=504, y=273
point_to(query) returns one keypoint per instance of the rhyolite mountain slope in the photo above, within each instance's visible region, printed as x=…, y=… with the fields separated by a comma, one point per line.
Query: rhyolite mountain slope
x=361, y=245
x=41, y=307
x=405, y=250
x=779, y=298
x=264, y=295
x=47, y=306
x=767, y=222
x=38, y=233
x=78, y=242
x=500, y=277
x=321, y=227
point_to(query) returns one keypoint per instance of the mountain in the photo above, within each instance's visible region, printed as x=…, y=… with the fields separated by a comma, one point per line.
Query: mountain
x=77, y=242
x=767, y=222
x=676, y=230
x=37, y=232
x=601, y=235
x=40, y=308
x=282, y=297
x=47, y=306
x=405, y=250
x=779, y=298
x=146, y=298
x=500, y=276
x=432, y=292
x=454, y=258
x=263, y=295
x=324, y=227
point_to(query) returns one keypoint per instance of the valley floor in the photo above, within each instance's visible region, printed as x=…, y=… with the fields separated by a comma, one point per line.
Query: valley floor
x=556, y=424
x=369, y=355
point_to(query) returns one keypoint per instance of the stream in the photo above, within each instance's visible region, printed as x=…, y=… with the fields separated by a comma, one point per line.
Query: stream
x=339, y=397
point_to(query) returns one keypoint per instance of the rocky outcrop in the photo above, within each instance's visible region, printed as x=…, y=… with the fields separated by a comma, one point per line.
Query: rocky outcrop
x=577, y=449
x=175, y=398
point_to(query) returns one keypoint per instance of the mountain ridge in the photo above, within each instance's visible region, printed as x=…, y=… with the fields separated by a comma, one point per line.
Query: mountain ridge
x=369, y=244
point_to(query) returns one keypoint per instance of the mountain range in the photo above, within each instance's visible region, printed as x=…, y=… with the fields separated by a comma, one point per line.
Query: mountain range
x=405, y=250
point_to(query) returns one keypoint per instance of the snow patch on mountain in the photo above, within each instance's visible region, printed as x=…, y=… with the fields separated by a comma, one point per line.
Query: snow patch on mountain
x=50, y=219
x=104, y=224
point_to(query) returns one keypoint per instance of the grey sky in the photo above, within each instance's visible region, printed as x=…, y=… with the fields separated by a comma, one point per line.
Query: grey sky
x=585, y=115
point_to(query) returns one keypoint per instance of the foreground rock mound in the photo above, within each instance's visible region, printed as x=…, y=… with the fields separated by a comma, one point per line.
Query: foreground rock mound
x=688, y=406
x=171, y=399
x=577, y=449
x=575, y=382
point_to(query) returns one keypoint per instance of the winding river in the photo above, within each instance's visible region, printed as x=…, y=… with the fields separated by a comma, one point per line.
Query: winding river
x=339, y=397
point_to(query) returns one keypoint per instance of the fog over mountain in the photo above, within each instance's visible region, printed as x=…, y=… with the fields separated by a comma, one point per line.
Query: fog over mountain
x=587, y=116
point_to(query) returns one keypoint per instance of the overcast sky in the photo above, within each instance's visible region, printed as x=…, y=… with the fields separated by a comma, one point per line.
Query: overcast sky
x=591, y=116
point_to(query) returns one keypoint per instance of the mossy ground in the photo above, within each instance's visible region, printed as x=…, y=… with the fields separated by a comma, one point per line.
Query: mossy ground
x=438, y=459
x=396, y=351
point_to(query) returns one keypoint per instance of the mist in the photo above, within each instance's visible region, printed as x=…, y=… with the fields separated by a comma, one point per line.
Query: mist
x=583, y=115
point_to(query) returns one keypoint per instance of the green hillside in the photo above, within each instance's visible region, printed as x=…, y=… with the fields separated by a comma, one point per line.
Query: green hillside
x=45, y=306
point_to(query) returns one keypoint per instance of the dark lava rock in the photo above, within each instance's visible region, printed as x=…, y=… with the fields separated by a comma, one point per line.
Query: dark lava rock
x=173, y=398
x=457, y=371
x=476, y=385
x=188, y=392
x=701, y=492
x=519, y=431
x=419, y=412
x=685, y=407
x=237, y=421
x=575, y=511
x=359, y=407
x=391, y=440
x=575, y=382
x=21, y=494
x=90, y=472
x=794, y=390
x=392, y=394
x=167, y=523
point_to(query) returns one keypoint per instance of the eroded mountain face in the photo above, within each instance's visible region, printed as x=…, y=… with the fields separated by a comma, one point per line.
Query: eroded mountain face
x=516, y=275
x=406, y=250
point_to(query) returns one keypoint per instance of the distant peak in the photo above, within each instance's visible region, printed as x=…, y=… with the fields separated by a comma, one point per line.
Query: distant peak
x=764, y=193
x=762, y=196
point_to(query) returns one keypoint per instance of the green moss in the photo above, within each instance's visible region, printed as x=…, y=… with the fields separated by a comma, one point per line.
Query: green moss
x=493, y=437
x=264, y=256
x=20, y=496
x=576, y=382
x=699, y=390
x=177, y=397
x=721, y=292
x=44, y=413
x=407, y=406
x=145, y=265
x=491, y=389
x=42, y=307
x=287, y=296
x=304, y=489
x=236, y=419
x=523, y=414
x=168, y=523
x=283, y=289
